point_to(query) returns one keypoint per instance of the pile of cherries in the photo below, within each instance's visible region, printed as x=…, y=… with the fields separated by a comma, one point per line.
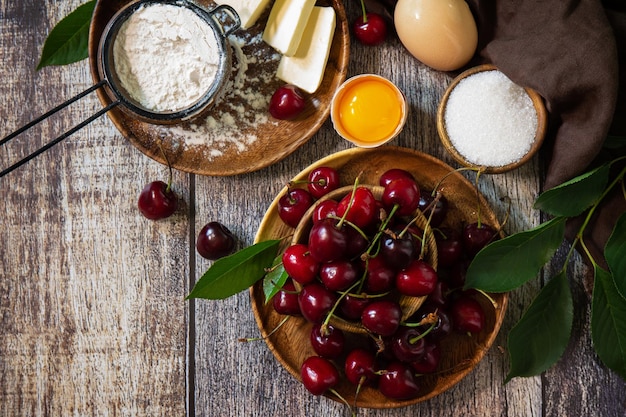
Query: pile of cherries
x=362, y=254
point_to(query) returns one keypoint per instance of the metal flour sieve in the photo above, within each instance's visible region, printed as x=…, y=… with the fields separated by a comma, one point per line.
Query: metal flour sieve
x=223, y=20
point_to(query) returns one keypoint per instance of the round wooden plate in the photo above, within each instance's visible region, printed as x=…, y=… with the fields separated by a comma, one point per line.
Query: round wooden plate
x=240, y=137
x=460, y=353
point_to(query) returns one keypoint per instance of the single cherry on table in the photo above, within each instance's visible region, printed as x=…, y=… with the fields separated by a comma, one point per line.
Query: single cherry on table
x=157, y=201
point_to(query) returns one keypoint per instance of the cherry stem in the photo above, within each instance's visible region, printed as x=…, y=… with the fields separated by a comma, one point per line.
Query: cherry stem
x=364, y=11
x=382, y=228
x=256, y=339
x=334, y=392
x=169, y=166
x=324, y=327
x=421, y=336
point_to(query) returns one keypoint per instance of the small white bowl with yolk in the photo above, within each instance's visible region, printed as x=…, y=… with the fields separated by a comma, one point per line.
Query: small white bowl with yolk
x=368, y=110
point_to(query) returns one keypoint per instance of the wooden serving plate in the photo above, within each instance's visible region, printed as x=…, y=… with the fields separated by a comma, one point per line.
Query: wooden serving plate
x=460, y=353
x=248, y=146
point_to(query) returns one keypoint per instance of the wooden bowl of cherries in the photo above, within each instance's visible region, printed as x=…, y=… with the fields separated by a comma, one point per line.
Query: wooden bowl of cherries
x=372, y=311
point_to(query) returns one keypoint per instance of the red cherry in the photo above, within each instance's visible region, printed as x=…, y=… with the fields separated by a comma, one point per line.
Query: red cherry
x=382, y=317
x=476, y=236
x=398, y=382
x=361, y=207
x=287, y=102
x=322, y=180
x=327, y=341
x=299, y=264
x=394, y=174
x=327, y=241
x=293, y=204
x=316, y=301
x=360, y=367
x=449, y=246
x=430, y=361
x=352, y=306
x=324, y=209
x=408, y=345
x=215, y=241
x=467, y=315
x=338, y=275
x=371, y=29
x=286, y=300
x=403, y=192
x=418, y=279
x=318, y=375
x=157, y=201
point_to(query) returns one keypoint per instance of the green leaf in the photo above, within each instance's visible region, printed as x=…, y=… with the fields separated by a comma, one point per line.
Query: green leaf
x=615, y=251
x=232, y=274
x=540, y=337
x=608, y=322
x=576, y=195
x=275, y=279
x=68, y=41
x=508, y=263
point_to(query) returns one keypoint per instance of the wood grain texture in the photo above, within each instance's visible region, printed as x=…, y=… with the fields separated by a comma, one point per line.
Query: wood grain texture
x=93, y=319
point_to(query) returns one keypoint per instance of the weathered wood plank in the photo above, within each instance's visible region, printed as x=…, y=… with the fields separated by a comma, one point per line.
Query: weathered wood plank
x=92, y=315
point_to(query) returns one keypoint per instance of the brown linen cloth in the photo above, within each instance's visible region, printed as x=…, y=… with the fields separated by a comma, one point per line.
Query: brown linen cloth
x=567, y=50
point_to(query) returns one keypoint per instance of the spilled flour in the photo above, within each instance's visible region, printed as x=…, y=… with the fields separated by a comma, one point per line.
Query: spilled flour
x=242, y=108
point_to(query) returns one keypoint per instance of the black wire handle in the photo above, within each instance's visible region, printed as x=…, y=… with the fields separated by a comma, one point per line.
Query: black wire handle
x=64, y=135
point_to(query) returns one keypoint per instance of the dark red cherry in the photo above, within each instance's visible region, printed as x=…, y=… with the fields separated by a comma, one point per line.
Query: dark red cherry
x=408, y=344
x=318, y=375
x=287, y=102
x=351, y=306
x=430, y=361
x=398, y=382
x=476, y=236
x=316, y=301
x=382, y=317
x=394, y=174
x=299, y=264
x=338, y=275
x=449, y=246
x=418, y=279
x=370, y=29
x=443, y=324
x=324, y=209
x=327, y=241
x=356, y=243
x=397, y=251
x=286, y=300
x=467, y=315
x=360, y=367
x=322, y=180
x=327, y=341
x=404, y=193
x=293, y=204
x=379, y=278
x=438, y=208
x=215, y=241
x=360, y=206
x=157, y=201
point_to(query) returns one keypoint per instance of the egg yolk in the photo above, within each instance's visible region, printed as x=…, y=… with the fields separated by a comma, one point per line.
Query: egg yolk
x=370, y=111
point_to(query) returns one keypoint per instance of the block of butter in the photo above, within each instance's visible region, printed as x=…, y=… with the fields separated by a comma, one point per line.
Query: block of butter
x=248, y=10
x=305, y=68
x=286, y=23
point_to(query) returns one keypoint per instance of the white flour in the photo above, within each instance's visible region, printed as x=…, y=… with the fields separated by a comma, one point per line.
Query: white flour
x=166, y=57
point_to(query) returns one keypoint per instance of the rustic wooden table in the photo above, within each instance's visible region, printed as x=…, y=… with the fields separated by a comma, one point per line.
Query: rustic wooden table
x=93, y=319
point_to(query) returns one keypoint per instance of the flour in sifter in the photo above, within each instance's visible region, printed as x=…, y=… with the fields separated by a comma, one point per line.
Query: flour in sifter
x=166, y=57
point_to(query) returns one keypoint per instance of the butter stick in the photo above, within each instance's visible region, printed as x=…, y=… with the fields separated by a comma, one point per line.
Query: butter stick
x=305, y=68
x=248, y=10
x=286, y=24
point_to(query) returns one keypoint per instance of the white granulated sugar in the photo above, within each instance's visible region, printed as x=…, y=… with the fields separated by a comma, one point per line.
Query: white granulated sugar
x=490, y=120
x=240, y=110
x=166, y=57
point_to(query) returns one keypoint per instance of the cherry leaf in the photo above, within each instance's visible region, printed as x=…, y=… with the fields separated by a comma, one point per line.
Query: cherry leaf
x=510, y=262
x=608, y=322
x=540, y=337
x=576, y=195
x=68, y=41
x=614, y=253
x=234, y=273
x=275, y=279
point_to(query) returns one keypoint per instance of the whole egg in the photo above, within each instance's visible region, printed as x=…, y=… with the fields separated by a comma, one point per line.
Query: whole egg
x=440, y=33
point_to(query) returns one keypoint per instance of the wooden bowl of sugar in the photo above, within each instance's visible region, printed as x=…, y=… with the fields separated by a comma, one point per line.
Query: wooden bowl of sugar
x=486, y=121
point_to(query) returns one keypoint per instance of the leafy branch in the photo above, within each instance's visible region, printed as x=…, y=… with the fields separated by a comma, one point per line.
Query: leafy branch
x=542, y=334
